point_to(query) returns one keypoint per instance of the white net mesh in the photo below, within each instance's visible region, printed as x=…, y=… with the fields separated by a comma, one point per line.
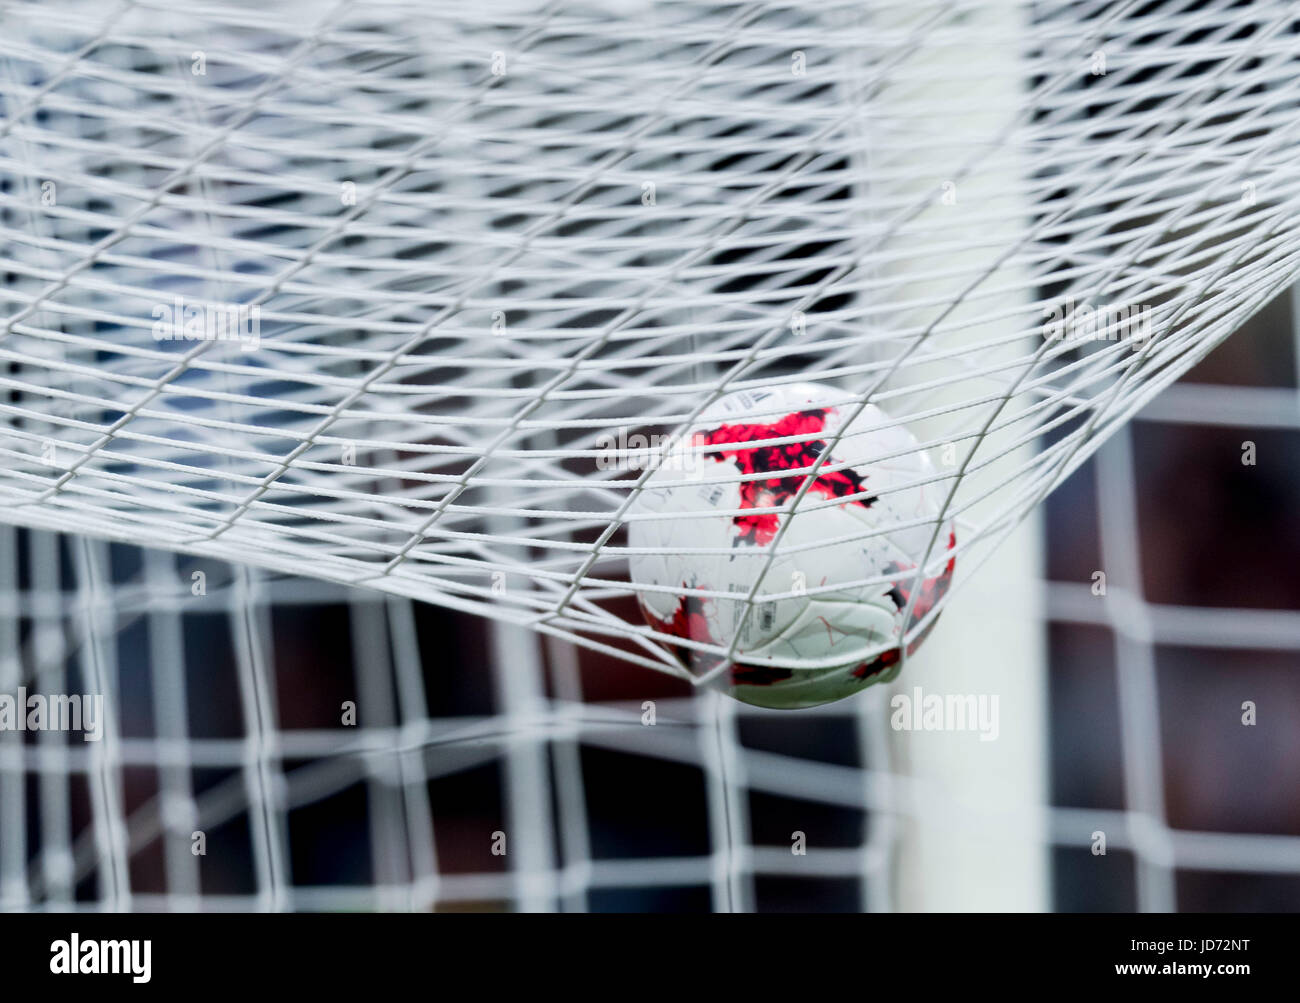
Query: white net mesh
x=468, y=244
x=440, y=254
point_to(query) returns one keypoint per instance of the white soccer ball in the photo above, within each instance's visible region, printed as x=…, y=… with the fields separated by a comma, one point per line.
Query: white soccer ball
x=695, y=512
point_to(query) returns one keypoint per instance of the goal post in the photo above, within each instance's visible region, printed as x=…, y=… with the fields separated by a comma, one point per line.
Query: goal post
x=974, y=838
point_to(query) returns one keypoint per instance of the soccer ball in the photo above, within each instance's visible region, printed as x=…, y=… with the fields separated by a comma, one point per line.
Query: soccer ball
x=696, y=514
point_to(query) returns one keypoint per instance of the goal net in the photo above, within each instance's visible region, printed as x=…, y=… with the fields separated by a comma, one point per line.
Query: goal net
x=383, y=310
